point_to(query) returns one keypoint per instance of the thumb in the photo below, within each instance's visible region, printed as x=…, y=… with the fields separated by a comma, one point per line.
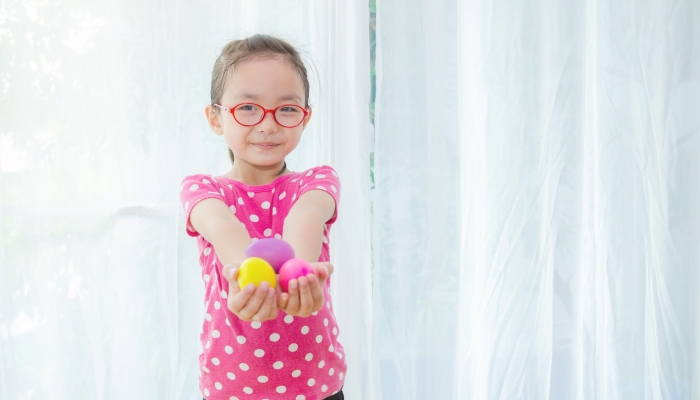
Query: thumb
x=230, y=273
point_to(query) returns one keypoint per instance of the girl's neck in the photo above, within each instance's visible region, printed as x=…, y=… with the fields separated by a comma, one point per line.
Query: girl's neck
x=255, y=175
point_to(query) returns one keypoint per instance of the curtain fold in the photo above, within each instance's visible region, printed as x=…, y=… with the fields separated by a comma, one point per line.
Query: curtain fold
x=102, y=116
x=535, y=216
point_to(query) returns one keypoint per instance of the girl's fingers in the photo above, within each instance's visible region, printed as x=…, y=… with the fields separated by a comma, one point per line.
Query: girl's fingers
x=264, y=310
x=230, y=273
x=316, y=292
x=253, y=305
x=293, y=296
x=307, y=302
x=237, y=299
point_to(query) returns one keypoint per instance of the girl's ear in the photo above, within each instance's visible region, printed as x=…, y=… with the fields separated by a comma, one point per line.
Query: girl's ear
x=307, y=118
x=214, y=120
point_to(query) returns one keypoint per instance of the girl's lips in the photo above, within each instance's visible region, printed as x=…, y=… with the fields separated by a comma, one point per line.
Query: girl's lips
x=266, y=145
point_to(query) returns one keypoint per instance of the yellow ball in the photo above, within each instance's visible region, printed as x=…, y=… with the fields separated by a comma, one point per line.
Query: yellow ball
x=256, y=270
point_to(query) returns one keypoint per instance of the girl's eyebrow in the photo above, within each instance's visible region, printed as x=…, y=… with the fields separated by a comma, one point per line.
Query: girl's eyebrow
x=286, y=97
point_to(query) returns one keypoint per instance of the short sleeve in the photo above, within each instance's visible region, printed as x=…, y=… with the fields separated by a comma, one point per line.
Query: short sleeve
x=194, y=189
x=323, y=178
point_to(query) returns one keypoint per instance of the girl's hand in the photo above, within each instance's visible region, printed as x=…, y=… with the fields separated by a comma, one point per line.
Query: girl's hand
x=305, y=295
x=251, y=303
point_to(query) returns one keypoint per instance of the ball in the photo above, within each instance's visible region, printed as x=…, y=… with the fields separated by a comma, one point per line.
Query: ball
x=293, y=269
x=256, y=271
x=275, y=251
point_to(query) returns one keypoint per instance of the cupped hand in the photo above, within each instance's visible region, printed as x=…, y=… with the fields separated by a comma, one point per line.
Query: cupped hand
x=305, y=295
x=250, y=303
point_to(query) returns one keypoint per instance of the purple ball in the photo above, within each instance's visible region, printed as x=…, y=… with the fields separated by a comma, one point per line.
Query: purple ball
x=275, y=251
x=294, y=269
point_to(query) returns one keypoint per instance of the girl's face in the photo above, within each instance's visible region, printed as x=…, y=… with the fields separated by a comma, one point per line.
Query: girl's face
x=270, y=82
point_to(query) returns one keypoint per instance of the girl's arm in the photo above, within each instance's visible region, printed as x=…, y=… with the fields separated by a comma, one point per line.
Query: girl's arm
x=230, y=238
x=303, y=229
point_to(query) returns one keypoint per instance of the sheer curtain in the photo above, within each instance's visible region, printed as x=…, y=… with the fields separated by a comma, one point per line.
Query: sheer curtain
x=101, y=117
x=535, y=216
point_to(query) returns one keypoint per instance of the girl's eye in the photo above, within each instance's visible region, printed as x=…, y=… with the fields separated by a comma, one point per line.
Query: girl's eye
x=289, y=109
x=247, y=107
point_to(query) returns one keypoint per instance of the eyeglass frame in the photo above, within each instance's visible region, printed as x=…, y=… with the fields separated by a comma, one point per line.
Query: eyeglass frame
x=265, y=111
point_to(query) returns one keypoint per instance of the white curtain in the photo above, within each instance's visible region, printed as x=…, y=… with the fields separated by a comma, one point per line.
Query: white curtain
x=101, y=116
x=536, y=227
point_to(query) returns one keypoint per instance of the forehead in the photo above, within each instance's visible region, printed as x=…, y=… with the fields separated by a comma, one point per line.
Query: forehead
x=270, y=80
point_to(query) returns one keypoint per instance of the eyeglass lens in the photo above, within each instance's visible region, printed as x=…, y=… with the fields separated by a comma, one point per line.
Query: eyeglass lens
x=287, y=116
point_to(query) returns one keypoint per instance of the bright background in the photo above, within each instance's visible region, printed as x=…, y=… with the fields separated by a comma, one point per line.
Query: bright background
x=521, y=193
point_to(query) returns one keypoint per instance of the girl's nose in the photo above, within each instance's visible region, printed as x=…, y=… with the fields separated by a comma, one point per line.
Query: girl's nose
x=268, y=123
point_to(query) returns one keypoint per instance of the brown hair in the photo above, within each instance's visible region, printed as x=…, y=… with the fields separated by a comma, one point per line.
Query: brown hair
x=254, y=47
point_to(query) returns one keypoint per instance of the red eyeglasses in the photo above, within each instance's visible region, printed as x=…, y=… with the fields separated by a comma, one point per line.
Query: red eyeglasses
x=249, y=114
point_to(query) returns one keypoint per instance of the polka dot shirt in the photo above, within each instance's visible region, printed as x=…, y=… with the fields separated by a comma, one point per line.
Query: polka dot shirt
x=289, y=357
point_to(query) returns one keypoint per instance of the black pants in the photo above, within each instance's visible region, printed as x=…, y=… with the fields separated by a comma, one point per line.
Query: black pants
x=337, y=396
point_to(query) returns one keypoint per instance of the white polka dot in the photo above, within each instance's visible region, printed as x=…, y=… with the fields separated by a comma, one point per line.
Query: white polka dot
x=325, y=239
x=328, y=304
x=267, y=232
x=274, y=210
x=207, y=316
x=255, y=324
x=208, y=344
x=301, y=397
x=304, y=330
x=254, y=218
x=293, y=347
x=217, y=305
x=206, y=392
x=194, y=187
x=300, y=182
x=325, y=321
x=222, y=192
x=224, y=294
x=243, y=366
x=233, y=398
x=334, y=189
x=205, y=369
x=231, y=376
x=334, y=174
x=320, y=176
x=319, y=338
x=288, y=319
x=187, y=205
x=294, y=197
x=282, y=195
x=228, y=322
x=262, y=379
x=281, y=389
x=228, y=349
x=278, y=236
x=315, y=313
x=320, y=187
x=324, y=388
x=215, y=361
x=207, y=251
x=251, y=194
x=339, y=355
x=311, y=382
x=240, y=200
x=321, y=364
x=296, y=373
x=331, y=371
x=206, y=277
x=218, y=386
x=248, y=390
x=265, y=205
x=215, y=334
x=335, y=330
x=293, y=180
x=206, y=181
x=275, y=337
x=233, y=209
x=340, y=376
x=331, y=348
x=309, y=173
x=278, y=365
x=241, y=339
x=309, y=357
x=259, y=352
x=273, y=190
x=255, y=239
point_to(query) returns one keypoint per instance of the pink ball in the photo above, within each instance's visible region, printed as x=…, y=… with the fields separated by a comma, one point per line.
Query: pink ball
x=275, y=251
x=293, y=269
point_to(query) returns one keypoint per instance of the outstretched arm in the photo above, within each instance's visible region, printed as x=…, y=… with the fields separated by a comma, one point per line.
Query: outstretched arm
x=303, y=229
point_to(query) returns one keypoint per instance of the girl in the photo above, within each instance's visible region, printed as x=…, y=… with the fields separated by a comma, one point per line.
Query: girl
x=260, y=343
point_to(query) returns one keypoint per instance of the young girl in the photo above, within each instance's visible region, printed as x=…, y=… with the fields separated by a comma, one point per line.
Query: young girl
x=261, y=343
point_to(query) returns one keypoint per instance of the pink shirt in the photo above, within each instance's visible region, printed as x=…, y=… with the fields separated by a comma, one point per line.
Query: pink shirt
x=289, y=357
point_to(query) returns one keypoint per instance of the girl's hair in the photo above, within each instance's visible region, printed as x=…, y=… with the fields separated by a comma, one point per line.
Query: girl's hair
x=256, y=47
